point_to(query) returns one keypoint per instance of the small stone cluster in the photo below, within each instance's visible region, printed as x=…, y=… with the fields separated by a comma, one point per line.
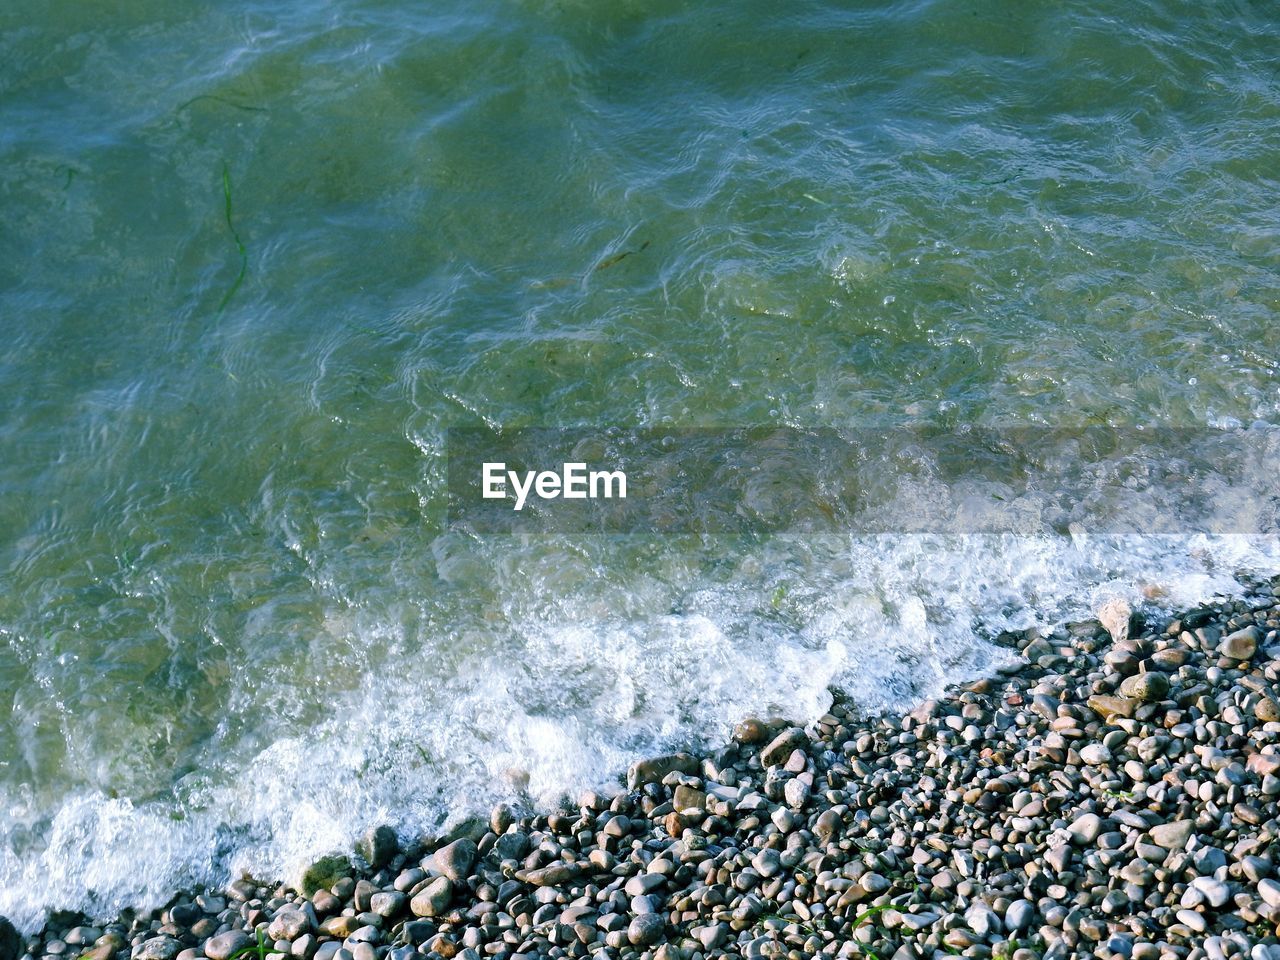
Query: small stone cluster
x=1111, y=795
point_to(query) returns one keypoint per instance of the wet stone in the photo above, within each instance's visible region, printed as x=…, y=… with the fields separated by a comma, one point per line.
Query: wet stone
x=378, y=846
x=654, y=769
x=781, y=747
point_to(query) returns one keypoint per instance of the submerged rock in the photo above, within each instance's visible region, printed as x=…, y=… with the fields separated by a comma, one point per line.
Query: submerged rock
x=781, y=747
x=378, y=846
x=325, y=873
x=654, y=769
x=751, y=731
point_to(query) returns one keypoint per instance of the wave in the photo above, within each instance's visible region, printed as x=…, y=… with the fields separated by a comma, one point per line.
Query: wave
x=578, y=684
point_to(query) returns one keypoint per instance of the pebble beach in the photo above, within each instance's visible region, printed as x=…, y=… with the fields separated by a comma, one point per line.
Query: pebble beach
x=1111, y=792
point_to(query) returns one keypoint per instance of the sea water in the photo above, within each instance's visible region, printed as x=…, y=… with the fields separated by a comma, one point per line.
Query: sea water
x=257, y=261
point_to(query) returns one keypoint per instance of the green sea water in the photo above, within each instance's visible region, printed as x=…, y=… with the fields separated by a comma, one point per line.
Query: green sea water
x=256, y=259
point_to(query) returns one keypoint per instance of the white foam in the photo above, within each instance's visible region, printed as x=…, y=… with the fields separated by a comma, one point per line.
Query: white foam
x=582, y=670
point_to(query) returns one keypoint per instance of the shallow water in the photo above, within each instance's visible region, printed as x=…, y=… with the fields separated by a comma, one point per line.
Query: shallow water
x=234, y=625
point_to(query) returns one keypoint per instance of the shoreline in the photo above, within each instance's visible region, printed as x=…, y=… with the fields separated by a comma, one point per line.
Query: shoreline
x=1105, y=796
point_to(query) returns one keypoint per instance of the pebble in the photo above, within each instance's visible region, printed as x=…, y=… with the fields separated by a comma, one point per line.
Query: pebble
x=501, y=818
x=1018, y=915
x=982, y=920
x=1149, y=687
x=780, y=748
x=827, y=825
x=644, y=884
x=1242, y=644
x=796, y=793
x=1269, y=891
x=431, y=900
x=1085, y=829
x=646, y=929
x=454, y=860
x=1110, y=707
x=224, y=945
x=1095, y=754
x=1194, y=921
x=387, y=904
x=1172, y=836
x=290, y=923
x=1216, y=892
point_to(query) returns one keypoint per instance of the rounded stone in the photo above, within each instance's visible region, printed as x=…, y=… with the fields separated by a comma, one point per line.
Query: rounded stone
x=455, y=860
x=1194, y=921
x=1095, y=754
x=378, y=846
x=827, y=825
x=225, y=944
x=1172, y=836
x=289, y=924
x=750, y=731
x=387, y=903
x=1241, y=645
x=1085, y=828
x=430, y=901
x=1269, y=891
x=501, y=818
x=796, y=793
x=1215, y=891
x=646, y=929
x=1019, y=915
x=1150, y=687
